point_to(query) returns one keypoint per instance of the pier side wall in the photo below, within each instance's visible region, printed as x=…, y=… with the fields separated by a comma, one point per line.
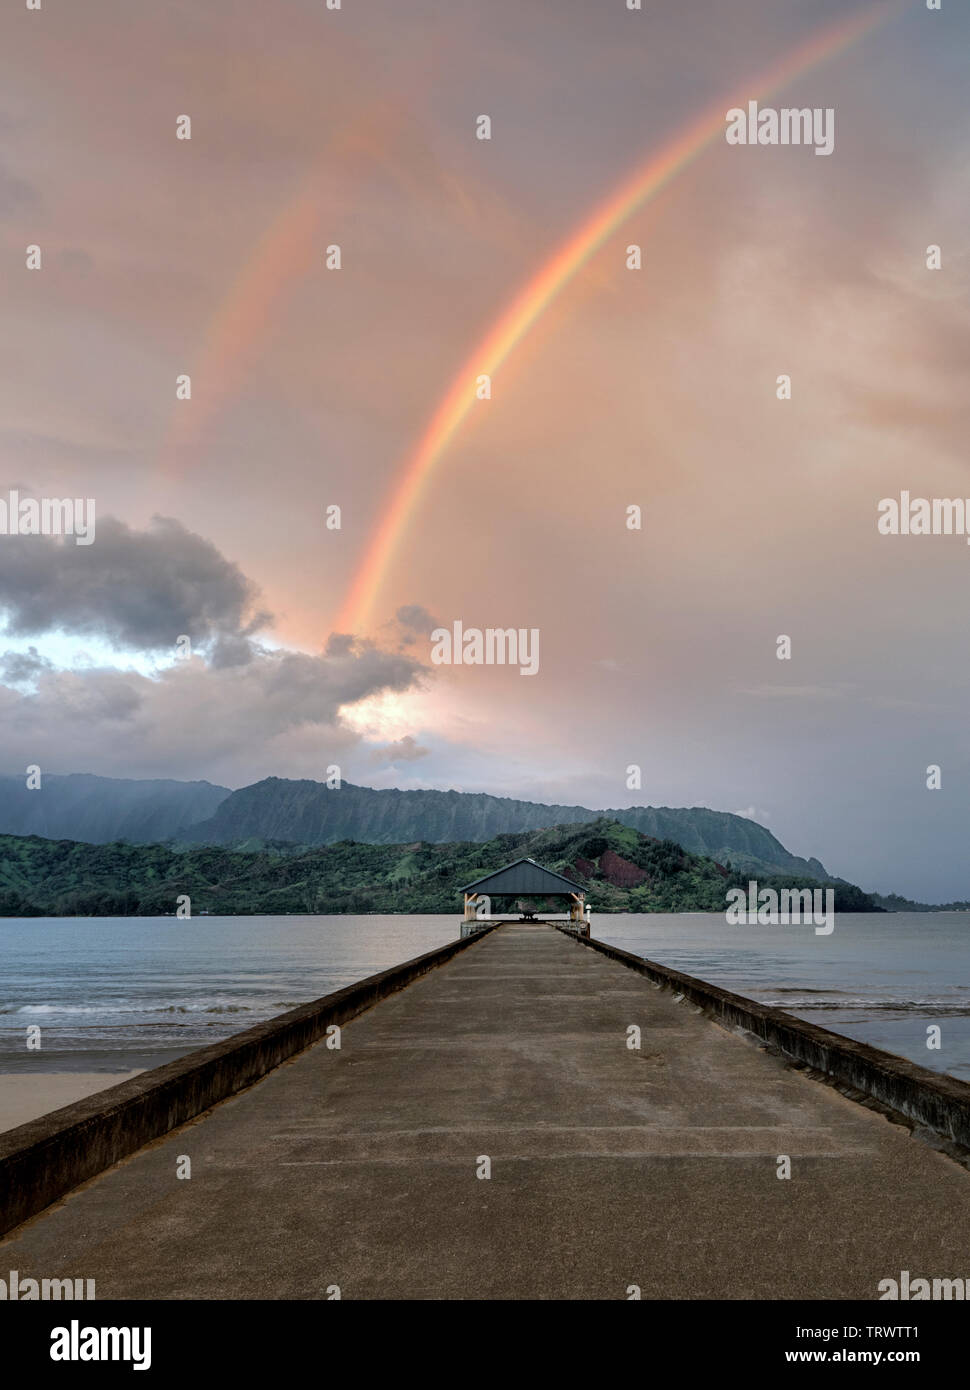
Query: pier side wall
x=928, y=1098
x=43, y=1160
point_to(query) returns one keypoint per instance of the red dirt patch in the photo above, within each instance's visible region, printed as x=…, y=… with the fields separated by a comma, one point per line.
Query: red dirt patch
x=620, y=872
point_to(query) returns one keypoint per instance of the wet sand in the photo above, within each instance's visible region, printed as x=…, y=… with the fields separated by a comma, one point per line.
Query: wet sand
x=26, y=1096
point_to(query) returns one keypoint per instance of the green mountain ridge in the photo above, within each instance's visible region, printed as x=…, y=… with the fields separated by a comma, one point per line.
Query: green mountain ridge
x=103, y=810
x=623, y=869
x=310, y=813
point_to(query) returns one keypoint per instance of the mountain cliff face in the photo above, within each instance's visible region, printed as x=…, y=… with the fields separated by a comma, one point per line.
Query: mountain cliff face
x=102, y=809
x=309, y=813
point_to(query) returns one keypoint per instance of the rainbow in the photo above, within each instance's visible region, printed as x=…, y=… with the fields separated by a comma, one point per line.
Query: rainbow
x=550, y=280
x=287, y=250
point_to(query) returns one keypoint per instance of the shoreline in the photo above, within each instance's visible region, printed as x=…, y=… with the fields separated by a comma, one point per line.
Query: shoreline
x=26, y=1096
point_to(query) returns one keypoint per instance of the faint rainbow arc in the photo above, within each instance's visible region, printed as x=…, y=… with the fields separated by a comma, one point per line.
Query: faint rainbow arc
x=286, y=250
x=552, y=277
x=282, y=253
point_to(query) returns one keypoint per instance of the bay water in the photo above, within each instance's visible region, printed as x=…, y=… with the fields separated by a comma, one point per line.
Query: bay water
x=115, y=994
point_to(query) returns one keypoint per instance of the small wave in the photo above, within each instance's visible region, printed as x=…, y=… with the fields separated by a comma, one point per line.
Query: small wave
x=58, y=1009
x=111, y=1007
x=785, y=989
x=200, y=1009
x=847, y=1003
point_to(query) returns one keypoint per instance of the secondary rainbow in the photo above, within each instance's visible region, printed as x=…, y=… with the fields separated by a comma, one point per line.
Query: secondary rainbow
x=288, y=250
x=539, y=292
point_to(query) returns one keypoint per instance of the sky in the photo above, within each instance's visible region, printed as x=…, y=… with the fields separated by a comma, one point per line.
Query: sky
x=313, y=387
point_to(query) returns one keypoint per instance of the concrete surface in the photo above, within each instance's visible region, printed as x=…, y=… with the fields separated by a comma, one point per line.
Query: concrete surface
x=930, y=1100
x=609, y=1167
x=46, y=1158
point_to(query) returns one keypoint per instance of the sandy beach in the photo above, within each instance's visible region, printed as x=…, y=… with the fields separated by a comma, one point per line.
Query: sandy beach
x=26, y=1097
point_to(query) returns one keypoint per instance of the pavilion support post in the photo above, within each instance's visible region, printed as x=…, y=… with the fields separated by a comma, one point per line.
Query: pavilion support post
x=577, y=914
x=471, y=923
x=523, y=882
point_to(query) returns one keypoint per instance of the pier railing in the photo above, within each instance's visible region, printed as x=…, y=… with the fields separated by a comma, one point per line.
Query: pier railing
x=938, y=1102
x=46, y=1158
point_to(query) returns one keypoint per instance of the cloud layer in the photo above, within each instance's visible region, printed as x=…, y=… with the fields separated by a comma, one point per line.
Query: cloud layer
x=235, y=704
x=655, y=388
x=137, y=590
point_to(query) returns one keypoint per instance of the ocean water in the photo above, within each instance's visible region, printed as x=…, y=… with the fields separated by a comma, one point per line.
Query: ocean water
x=114, y=994
x=881, y=978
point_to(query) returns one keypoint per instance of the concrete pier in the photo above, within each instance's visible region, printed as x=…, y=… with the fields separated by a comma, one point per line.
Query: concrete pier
x=610, y=1166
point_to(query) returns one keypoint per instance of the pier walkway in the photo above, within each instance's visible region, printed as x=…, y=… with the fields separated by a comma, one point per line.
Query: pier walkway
x=610, y=1167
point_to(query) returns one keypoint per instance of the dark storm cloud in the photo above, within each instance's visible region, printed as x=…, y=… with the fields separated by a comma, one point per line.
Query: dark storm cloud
x=140, y=591
x=279, y=713
x=406, y=750
x=418, y=619
x=136, y=590
x=17, y=668
x=364, y=671
x=411, y=622
x=340, y=644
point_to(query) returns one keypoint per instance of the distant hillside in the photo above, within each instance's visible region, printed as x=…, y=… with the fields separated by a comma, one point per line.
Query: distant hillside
x=101, y=809
x=624, y=870
x=892, y=902
x=308, y=813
